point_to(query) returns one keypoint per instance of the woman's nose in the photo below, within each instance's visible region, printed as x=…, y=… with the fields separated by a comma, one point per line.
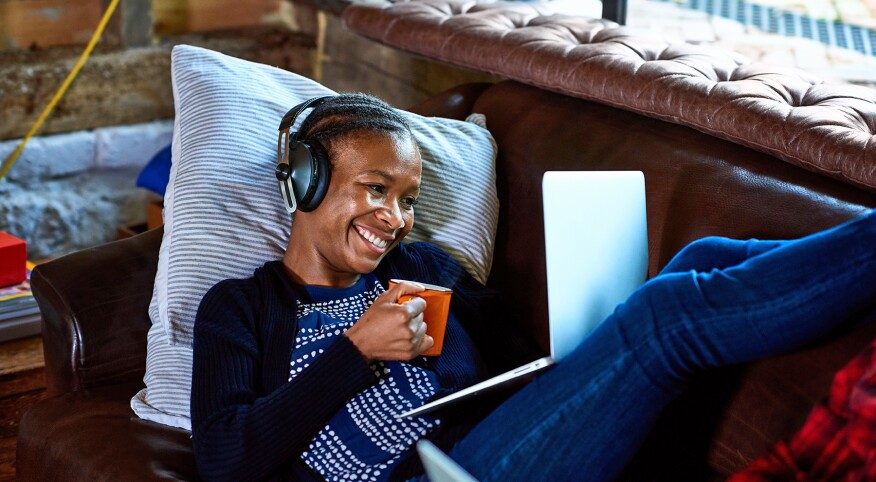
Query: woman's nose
x=391, y=214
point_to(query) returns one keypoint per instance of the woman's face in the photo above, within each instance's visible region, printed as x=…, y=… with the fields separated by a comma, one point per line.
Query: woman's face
x=368, y=209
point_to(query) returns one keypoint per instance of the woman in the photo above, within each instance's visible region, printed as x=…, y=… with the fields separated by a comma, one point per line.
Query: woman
x=299, y=371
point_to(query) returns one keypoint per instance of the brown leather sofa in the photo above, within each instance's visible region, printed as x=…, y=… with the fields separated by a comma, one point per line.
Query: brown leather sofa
x=727, y=148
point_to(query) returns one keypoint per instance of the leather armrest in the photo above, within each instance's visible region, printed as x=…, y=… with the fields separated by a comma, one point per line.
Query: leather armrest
x=94, y=305
x=92, y=435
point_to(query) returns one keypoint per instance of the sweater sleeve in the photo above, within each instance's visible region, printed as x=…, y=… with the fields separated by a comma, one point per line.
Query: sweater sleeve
x=239, y=432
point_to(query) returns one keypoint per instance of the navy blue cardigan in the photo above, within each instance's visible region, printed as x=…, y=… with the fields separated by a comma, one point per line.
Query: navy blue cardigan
x=250, y=423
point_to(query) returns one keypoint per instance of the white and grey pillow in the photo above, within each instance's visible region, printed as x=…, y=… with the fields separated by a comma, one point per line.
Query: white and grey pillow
x=224, y=216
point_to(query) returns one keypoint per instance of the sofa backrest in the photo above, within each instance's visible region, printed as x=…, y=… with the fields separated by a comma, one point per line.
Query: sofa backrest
x=697, y=185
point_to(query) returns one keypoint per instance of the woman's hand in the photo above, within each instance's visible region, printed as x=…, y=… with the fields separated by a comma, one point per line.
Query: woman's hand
x=390, y=330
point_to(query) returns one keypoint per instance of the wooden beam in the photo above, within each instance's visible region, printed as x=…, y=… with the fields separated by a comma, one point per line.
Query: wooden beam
x=131, y=23
x=42, y=23
x=136, y=20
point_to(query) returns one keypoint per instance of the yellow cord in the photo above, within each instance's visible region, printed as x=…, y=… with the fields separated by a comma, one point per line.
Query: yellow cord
x=60, y=93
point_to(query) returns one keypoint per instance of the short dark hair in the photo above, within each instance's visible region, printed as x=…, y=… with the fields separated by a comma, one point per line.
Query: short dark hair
x=345, y=115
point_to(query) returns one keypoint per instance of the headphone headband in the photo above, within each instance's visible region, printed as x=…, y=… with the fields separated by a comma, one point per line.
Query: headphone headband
x=289, y=118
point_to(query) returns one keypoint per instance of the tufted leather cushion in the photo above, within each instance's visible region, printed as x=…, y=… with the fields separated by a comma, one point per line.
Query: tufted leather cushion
x=788, y=113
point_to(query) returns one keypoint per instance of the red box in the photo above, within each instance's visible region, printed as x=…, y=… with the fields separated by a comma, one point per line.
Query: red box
x=13, y=260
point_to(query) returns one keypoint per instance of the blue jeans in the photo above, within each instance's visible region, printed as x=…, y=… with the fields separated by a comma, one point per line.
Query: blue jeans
x=718, y=302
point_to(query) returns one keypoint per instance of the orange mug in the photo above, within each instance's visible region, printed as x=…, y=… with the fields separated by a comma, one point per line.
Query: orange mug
x=435, y=316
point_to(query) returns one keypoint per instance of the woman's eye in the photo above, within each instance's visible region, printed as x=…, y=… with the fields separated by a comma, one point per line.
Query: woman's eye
x=409, y=202
x=378, y=188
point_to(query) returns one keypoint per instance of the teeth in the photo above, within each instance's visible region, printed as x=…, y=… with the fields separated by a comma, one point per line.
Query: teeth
x=380, y=243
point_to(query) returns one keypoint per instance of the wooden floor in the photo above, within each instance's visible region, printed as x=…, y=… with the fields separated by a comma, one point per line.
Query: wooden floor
x=22, y=383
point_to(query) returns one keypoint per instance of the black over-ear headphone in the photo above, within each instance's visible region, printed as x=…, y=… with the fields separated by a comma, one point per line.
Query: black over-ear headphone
x=302, y=165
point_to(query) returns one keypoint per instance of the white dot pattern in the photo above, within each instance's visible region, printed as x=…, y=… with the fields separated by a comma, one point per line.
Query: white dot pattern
x=363, y=440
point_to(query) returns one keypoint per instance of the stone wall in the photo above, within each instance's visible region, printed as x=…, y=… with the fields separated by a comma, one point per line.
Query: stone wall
x=70, y=191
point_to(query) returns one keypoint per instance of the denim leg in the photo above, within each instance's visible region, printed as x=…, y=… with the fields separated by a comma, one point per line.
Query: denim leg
x=717, y=252
x=585, y=418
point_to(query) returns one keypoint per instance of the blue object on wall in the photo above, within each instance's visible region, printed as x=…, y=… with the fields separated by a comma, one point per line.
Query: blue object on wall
x=156, y=174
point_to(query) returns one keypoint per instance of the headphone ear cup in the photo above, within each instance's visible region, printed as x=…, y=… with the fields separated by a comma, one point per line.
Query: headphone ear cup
x=322, y=168
x=303, y=167
x=310, y=173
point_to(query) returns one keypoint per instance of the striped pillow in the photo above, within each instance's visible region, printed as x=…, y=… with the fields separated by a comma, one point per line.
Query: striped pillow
x=224, y=216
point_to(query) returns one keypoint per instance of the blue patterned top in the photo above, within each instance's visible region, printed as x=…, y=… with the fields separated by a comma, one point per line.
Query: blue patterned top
x=364, y=439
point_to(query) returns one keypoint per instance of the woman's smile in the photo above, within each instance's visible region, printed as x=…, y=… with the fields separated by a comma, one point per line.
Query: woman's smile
x=375, y=242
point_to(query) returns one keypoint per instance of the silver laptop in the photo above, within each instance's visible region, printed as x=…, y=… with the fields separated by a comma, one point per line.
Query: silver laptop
x=596, y=249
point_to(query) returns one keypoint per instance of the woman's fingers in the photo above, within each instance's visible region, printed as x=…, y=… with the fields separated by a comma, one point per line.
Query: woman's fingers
x=418, y=329
x=426, y=343
x=403, y=288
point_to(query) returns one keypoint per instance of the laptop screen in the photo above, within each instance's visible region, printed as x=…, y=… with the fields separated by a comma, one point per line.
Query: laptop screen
x=596, y=248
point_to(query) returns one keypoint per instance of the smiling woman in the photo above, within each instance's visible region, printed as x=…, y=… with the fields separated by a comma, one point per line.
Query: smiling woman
x=303, y=369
